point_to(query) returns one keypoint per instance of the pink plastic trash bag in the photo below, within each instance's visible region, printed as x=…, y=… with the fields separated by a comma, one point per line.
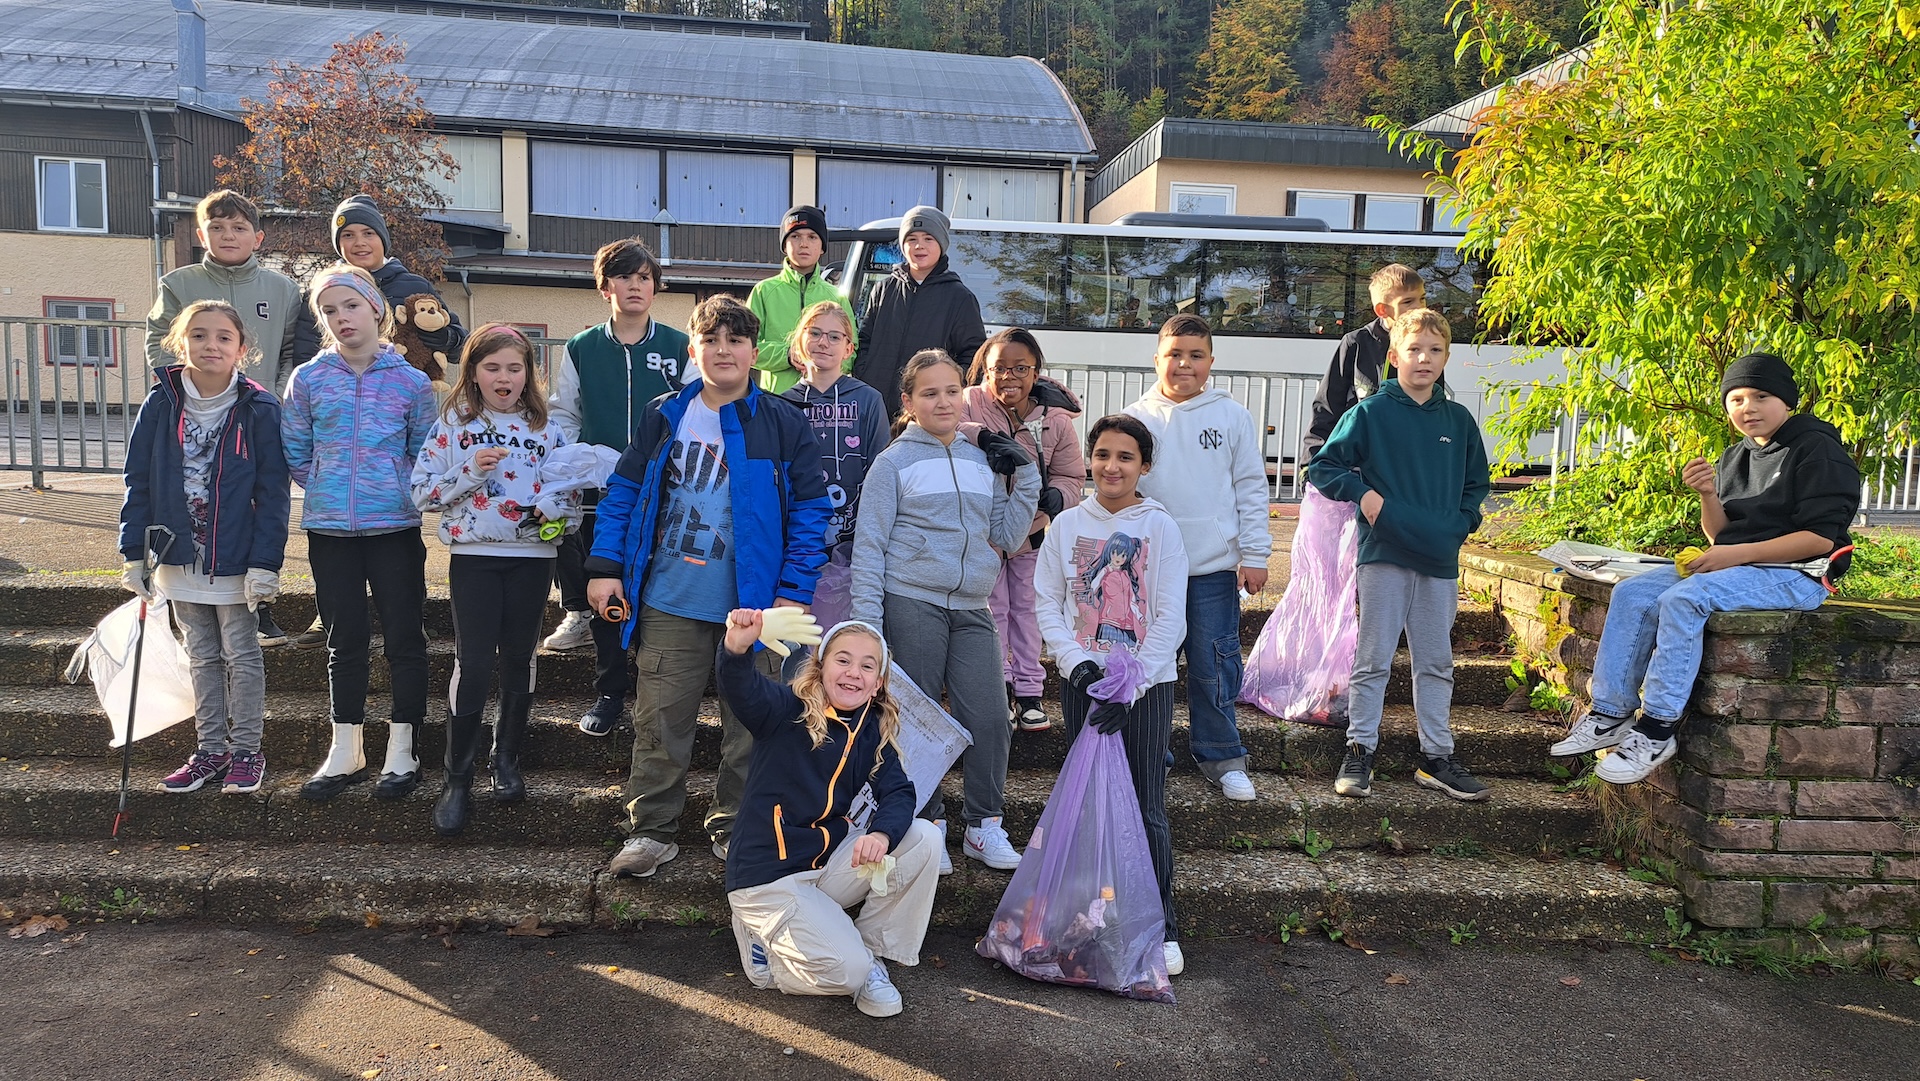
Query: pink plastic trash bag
x=1084, y=907
x=1124, y=680
x=833, y=594
x=1303, y=660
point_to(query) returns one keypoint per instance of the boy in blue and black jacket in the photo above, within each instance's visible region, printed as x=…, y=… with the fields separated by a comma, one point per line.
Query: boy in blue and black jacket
x=1415, y=463
x=717, y=504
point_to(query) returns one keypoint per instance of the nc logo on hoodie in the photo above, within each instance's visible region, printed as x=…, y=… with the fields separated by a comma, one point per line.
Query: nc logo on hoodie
x=1211, y=439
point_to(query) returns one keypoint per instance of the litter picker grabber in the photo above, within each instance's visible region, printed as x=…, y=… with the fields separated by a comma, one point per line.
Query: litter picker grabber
x=151, y=557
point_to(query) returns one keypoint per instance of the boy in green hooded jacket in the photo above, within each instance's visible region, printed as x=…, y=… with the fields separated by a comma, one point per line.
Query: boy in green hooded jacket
x=780, y=300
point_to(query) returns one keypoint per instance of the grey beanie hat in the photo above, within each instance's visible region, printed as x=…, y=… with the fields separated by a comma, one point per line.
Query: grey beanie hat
x=928, y=220
x=360, y=210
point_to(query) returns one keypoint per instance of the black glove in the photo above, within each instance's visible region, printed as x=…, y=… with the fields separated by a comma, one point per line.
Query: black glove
x=1051, y=502
x=1051, y=394
x=1108, y=717
x=1085, y=674
x=1003, y=452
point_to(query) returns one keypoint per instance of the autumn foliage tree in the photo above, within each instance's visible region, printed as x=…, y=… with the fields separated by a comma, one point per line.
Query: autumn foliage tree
x=354, y=125
x=1246, y=71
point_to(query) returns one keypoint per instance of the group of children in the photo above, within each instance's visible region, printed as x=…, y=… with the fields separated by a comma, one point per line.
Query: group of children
x=751, y=467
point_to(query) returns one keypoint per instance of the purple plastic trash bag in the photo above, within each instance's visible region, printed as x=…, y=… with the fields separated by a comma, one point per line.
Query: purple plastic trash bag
x=833, y=594
x=1303, y=660
x=1084, y=907
x=1125, y=678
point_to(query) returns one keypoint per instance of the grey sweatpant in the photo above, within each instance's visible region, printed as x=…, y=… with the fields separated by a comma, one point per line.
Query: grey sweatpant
x=1392, y=599
x=229, y=675
x=958, y=651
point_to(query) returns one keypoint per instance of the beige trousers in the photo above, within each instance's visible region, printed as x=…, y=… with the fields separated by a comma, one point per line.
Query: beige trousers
x=813, y=946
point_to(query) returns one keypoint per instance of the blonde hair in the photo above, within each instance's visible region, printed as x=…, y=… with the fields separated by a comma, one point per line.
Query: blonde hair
x=466, y=402
x=1417, y=321
x=372, y=287
x=175, y=343
x=810, y=686
x=1395, y=278
x=797, y=341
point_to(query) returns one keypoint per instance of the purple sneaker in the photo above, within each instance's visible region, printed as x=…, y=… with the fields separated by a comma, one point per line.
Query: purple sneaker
x=247, y=773
x=200, y=768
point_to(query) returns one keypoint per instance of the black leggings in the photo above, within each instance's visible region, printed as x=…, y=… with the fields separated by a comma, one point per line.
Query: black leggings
x=497, y=605
x=1149, y=727
x=393, y=567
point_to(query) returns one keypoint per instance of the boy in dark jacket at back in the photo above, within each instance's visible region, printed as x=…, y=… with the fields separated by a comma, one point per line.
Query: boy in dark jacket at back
x=1785, y=493
x=1360, y=360
x=921, y=305
x=1415, y=463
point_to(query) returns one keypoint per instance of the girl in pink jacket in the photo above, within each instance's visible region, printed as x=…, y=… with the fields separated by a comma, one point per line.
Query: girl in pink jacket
x=1012, y=397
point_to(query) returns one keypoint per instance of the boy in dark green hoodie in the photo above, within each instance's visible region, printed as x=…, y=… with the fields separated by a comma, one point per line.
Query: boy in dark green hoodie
x=1415, y=463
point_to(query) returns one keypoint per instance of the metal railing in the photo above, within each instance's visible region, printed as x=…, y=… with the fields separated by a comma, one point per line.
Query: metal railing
x=72, y=397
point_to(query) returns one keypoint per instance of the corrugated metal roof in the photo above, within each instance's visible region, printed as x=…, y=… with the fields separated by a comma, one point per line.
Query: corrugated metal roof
x=1248, y=141
x=1463, y=119
x=582, y=78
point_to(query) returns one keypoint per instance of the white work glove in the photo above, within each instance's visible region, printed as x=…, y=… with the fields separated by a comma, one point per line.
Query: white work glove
x=134, y=575
x=261, y=587
x=781, y=624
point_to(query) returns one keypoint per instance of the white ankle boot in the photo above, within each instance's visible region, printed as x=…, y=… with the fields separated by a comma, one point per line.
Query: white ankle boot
x=401, y=760
x=345, y=764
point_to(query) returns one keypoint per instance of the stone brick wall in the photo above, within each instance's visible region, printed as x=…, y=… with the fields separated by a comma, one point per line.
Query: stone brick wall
x=1796, y=794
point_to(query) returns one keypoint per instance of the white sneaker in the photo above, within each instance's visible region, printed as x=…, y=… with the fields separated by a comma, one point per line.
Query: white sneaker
x=759, y=970
x=1236, y=785
x=1594, y=731
x=946, y=861
x=720, y=849
x=640, y=857
x=1176, y=961
x=574, y=631
x=879, y=998
x=1636, y=757
x=987, y=842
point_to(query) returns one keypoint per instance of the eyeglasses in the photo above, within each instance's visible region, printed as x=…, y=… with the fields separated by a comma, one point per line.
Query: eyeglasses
x=831, y=337
x=1018, y=369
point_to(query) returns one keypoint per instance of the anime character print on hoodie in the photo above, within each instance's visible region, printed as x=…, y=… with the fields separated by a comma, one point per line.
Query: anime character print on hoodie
x=1210, y=475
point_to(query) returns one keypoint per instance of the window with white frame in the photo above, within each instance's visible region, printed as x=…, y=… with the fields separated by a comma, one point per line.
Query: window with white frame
x=477, y=185
x=78, y=345
x=710, y=188
x=1334, y=208
x=575, y=180
x=1201, y=198
x=1447, y=217
x=1002, y=194
x=1394, y=213
x=73, y=194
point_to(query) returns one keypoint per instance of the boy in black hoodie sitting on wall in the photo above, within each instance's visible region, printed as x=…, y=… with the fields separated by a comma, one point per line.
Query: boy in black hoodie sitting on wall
x=1784, y=494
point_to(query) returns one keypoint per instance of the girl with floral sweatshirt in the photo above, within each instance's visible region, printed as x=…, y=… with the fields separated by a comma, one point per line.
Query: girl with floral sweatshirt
x=481, y=469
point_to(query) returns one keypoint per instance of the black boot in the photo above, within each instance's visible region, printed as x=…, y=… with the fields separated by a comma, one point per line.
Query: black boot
x=455, y=805
x=508, y=732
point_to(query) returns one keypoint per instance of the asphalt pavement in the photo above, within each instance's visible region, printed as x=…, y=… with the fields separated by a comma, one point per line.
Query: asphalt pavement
x=193, y=1000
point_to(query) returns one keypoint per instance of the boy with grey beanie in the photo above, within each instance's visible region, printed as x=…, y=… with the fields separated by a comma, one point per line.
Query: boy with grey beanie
x=921, y=305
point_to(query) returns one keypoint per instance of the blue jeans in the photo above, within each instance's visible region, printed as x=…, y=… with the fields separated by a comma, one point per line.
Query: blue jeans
x=1656, y=623
x=1214, y=669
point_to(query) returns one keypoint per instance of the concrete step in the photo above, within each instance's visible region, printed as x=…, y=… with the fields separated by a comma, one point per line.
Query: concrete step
x=420, y=885
x=38, y=656
x=68, y=721
x=60, y=797
x=82, y=600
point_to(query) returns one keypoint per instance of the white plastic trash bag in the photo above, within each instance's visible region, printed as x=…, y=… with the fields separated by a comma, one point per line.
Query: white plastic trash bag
x=930, y=741
x=166, y=687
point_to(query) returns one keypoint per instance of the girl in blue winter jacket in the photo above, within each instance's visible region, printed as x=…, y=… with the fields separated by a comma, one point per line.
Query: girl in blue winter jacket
x=355, y=418
x=205, y=461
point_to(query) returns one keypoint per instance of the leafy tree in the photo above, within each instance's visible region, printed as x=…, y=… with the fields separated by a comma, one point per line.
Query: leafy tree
x=1712, y=179
x=354, y=125
x=1247, y=72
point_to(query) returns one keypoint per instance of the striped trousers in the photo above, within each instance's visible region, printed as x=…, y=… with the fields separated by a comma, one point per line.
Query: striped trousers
x=1149, y=727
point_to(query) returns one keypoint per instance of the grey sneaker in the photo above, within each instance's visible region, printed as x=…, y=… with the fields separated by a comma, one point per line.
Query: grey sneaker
x=1356, y=773
x=640, y=857
x=1443, y=774
x=1594, y=731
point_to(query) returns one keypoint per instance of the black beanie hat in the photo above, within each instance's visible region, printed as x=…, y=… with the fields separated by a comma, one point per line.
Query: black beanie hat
x=360, y=210
x=803, y=217
x=1761, y=371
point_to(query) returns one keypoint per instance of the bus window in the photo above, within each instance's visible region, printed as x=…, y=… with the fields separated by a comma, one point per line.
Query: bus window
x=1130, y=283
x=1243, y=292
x=1320, y=291
x=1018, y=277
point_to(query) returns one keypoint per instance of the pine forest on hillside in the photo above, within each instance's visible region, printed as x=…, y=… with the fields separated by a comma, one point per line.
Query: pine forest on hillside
x=1130, y=62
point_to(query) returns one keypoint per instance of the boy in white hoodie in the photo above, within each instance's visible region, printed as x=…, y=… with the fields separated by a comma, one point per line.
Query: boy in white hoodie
x=1212, y=478
x=1112, y=574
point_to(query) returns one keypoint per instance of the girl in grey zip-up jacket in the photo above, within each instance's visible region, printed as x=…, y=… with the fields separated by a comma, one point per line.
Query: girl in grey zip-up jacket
x=932, y=514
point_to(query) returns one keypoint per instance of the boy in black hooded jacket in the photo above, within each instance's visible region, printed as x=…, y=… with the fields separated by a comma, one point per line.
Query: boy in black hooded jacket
x=1785, y=493
x=922, y=304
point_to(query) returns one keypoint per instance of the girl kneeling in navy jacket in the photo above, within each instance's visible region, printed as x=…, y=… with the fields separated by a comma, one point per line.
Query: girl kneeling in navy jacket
x=796, y=863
